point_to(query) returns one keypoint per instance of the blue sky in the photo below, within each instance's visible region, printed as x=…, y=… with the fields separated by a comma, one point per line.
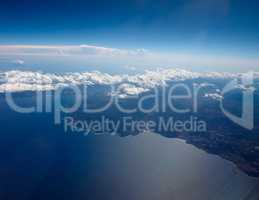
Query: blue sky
x=226, y=28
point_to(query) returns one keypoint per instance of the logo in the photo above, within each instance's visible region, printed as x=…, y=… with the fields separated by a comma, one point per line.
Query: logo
x=247, y=116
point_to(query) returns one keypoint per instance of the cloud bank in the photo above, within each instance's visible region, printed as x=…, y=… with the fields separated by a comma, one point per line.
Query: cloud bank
x=131, y=57
x=14, y=81
x=68, y=50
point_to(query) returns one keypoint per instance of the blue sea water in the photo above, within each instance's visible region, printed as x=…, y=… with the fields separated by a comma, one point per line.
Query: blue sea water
x=40, y=161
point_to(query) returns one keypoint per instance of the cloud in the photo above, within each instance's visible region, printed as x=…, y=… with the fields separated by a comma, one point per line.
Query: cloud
x=18, y=61
x=131, y=68
x=99, y=55
x=66, y=50
x=215, y=96
x=129, y=84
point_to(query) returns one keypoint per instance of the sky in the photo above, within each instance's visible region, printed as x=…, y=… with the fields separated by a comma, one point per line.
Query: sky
x=221, y=32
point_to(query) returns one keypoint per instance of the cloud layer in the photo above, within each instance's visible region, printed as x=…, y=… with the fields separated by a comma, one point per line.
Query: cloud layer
x=68, y=50
x=14, y=81
x=128, y=57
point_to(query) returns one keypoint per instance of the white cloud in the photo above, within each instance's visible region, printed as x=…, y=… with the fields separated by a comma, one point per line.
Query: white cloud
x=126, y=90
x=68, y=50
x=131, y=68
x=18, y=61
x=215, y=96
x=130, y=84
x=133, y=57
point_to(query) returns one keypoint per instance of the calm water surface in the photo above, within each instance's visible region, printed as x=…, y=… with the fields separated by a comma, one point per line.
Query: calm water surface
x=142, y=167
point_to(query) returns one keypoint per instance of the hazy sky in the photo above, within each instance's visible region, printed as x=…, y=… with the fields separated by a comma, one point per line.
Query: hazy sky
x=218, y=30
